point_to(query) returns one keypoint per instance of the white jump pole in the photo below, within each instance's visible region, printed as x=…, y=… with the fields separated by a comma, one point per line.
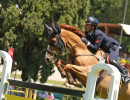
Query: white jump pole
x=92, y=78
x=5, y=73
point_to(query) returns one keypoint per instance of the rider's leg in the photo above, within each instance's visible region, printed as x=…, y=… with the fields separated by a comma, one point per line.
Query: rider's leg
x=112, y=60
x=126, y=78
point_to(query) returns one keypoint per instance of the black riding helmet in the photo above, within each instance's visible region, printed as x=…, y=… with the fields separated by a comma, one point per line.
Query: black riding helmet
x=92, y=20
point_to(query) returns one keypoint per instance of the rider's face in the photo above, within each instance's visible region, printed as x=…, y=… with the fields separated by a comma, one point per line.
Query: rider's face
x=88, y=27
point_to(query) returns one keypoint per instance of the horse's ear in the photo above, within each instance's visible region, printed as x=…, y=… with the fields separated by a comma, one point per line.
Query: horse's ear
x=57, y=29
x=49, y=29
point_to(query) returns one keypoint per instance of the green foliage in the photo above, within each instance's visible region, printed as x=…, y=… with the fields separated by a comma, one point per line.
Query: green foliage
x=107, y=11
x=111, y=11
x=70, y=11
x=22, y=28
x=24, y=32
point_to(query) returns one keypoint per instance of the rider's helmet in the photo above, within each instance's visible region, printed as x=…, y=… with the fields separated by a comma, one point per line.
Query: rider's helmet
x=92, y=20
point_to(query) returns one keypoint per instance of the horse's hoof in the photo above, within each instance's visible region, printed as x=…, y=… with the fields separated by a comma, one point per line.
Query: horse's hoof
x=68, y=85
x=63, y=75
x=77, y=84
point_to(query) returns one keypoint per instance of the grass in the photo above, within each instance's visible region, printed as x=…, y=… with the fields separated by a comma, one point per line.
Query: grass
x=55, y=82
x=17, y=76
x=12, y=75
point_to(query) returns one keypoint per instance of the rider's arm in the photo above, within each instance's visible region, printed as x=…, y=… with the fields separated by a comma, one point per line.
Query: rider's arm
x=94, y=47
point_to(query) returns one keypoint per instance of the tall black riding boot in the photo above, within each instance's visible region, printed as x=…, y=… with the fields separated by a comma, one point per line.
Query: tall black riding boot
x=125, y=76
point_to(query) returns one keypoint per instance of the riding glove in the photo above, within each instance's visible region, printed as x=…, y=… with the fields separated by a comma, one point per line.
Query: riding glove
x=85, y=41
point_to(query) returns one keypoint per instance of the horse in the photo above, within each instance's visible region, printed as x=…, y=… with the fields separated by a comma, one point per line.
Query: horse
x=80, y=59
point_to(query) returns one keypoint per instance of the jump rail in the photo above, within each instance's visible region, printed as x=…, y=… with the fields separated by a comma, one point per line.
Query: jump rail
x=5, y=72
x=46, y=88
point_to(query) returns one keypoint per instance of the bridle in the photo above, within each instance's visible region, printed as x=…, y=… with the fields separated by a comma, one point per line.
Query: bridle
x=60, y=45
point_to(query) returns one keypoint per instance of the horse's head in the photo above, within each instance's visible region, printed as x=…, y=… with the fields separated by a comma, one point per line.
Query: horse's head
x=55, y=43
x=65, y=36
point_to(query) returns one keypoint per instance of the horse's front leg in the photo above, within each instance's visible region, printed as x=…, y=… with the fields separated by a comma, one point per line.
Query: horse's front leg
x=60, y=66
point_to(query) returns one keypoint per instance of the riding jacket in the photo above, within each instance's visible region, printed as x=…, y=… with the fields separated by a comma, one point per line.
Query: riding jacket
x=98, y=39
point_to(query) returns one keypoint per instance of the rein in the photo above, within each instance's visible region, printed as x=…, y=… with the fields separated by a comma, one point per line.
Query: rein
x=73, y=57
x=77, y=45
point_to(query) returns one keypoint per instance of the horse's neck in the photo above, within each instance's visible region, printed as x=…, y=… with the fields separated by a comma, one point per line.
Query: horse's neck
x=74, y=43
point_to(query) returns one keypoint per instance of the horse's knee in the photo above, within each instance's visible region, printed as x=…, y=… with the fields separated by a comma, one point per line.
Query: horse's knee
x=68, y=67
x=58, y=63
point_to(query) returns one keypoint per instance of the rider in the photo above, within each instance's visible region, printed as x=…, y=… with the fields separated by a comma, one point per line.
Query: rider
x=96, y=39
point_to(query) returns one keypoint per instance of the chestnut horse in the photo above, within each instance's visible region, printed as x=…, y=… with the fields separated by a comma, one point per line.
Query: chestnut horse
x=80, y=59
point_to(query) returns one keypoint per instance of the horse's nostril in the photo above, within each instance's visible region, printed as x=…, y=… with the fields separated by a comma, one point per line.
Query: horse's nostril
x=47, y=59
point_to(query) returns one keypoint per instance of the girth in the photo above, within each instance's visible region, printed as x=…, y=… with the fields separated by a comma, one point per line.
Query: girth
x=104, y=73
x=102, y=76
x=86, y=55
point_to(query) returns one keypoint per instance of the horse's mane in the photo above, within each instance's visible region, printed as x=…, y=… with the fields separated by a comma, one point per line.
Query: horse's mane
x=72, y=29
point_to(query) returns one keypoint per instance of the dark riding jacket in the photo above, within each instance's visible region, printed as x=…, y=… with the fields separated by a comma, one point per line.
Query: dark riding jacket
x=98, y=39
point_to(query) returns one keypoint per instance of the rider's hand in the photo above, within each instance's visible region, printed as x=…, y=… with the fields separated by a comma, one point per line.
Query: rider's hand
x=84, y=40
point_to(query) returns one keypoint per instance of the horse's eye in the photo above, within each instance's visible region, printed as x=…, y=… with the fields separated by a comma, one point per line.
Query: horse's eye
x=54, y=41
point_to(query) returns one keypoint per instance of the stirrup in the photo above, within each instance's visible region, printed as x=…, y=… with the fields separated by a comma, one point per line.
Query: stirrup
x=126, y=71
x=128, y=82
x=124, y=80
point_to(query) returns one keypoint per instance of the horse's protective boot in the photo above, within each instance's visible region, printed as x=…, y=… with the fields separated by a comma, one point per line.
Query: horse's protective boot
x=118, y=66
x=125, y=76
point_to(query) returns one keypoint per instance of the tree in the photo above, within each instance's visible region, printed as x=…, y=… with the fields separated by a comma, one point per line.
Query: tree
x=107, y=11
x=23, y=29
x=72, y=12
x=111, y=11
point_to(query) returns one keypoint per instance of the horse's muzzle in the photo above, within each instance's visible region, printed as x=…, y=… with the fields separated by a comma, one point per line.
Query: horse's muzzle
x=49, y=59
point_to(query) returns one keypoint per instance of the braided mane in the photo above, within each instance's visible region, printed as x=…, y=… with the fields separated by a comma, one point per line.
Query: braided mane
x=73, y=29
